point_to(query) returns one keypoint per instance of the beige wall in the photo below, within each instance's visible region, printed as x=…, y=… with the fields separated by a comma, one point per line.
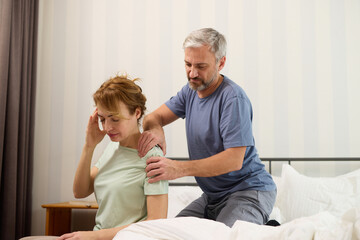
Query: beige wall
x=298, y=62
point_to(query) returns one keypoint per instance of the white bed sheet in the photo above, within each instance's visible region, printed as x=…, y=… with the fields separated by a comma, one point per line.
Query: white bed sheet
x=176, y=229
x=308, y=208
x=322, y=226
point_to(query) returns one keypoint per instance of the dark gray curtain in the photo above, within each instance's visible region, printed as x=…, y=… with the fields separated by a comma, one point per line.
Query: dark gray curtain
x=18, y=39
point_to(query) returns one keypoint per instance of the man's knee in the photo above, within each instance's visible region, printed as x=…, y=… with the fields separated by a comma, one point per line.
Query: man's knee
x=195, y=208
x=251, y=206
x=231, y=214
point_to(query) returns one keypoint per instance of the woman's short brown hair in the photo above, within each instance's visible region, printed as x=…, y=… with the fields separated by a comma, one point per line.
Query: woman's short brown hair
x=120, y=88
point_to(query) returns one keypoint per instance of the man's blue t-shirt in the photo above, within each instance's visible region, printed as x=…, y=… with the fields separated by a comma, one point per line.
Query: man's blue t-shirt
x=220, y=121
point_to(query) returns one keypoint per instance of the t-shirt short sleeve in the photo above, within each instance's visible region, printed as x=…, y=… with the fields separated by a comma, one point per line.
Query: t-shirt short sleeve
x=235, y=123
x=108, y=152
x=160, y=187
x=177, y=103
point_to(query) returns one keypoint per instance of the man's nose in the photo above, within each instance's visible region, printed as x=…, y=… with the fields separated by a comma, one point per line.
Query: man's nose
x=193, y=73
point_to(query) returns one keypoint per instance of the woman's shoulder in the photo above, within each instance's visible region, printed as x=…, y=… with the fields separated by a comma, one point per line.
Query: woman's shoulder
x=154, y=152
x=111, y=147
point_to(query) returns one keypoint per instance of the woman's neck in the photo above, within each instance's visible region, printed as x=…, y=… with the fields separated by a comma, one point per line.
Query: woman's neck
x=131, y=141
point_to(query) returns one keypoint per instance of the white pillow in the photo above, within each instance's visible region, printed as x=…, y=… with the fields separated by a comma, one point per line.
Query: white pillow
x=276, y=213
x=302, y=196
x=277, y=181
x=180, y=197
x=353, y=216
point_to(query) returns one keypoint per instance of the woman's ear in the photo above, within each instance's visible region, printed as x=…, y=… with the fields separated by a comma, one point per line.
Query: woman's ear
x=138, y=112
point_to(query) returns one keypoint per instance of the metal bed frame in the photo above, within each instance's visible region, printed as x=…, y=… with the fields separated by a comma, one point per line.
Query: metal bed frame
x=289, y=160
x=271, y=160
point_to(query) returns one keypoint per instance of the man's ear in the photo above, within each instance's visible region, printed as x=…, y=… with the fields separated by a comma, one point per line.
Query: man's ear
x=222, y=63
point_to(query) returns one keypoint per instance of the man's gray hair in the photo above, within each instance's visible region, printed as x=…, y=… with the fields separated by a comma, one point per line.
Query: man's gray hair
x=207, y=36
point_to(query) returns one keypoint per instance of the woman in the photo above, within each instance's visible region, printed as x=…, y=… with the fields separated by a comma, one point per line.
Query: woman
x=118, y=179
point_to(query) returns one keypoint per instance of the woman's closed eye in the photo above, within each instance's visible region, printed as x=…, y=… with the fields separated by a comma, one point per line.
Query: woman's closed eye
x=102, y=120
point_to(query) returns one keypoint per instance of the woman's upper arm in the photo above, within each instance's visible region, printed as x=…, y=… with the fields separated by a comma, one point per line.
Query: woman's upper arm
x=157, y=206
x=93, y=172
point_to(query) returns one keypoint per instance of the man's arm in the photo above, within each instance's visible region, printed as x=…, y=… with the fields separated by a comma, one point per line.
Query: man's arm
x=153, y=129
x=161, y=168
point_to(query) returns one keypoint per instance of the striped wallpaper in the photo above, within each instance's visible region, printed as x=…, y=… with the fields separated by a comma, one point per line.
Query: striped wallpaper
x=298, y=61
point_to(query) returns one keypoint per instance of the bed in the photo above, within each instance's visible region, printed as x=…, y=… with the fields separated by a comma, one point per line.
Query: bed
x=307, y=207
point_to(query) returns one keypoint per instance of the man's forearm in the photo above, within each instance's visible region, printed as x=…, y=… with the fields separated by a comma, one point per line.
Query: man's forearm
x=221, y=163
x=162, y=168
x=152, y=121
x=159, y=118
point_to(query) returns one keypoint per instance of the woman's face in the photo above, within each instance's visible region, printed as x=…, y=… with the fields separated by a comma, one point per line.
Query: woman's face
x=116, y=127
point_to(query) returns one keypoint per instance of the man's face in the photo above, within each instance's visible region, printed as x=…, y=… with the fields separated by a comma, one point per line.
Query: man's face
x=201, y=67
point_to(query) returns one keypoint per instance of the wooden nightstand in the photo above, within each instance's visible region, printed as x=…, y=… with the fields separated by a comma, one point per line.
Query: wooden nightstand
x=58, y=216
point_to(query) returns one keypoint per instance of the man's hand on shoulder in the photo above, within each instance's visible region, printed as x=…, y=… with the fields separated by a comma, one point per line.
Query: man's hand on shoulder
x=162, y=168
x=150, y=139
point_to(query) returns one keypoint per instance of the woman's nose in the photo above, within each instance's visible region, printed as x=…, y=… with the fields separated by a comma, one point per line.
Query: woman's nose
x=107, y=126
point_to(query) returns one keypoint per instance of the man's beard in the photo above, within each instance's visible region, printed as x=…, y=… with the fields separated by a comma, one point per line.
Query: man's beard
x=203, y=84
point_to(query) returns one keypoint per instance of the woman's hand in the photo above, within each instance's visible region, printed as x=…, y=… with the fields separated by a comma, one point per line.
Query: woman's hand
x=103, y=234
x=93, y=133
x=88, y=235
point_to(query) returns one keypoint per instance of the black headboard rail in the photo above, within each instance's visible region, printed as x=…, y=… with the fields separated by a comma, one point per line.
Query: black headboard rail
x=313, y=159
x=281, y=159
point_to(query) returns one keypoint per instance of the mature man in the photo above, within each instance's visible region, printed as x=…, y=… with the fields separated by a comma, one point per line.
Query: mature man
x=222, y=152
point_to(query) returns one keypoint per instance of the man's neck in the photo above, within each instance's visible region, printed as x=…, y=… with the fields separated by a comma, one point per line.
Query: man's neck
x=209, y=90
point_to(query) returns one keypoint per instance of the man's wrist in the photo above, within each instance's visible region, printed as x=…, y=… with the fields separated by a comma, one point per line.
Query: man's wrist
x=182, y=168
